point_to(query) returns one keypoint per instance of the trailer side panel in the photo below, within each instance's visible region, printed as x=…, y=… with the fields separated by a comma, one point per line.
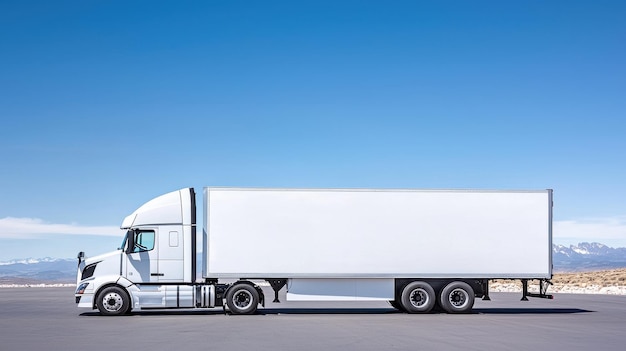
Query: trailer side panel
x=304, y=233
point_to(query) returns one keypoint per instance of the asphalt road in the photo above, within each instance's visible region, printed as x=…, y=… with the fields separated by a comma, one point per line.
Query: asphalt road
x=47, y=319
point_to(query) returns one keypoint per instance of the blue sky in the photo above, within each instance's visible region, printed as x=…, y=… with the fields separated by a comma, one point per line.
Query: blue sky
x=105, y=105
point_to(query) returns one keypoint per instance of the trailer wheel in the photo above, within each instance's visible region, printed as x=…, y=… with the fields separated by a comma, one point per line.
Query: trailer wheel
x=113, y=301
x=242, y=298
x=418, y=297
x=457, y=297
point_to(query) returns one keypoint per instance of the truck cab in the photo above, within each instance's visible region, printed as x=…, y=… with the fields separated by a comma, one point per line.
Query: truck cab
x=155, y=265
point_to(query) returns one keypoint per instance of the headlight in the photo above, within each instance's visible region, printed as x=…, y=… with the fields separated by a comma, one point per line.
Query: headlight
x=81, y=288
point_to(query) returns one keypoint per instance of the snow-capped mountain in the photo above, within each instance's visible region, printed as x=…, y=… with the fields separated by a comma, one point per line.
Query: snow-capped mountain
x=33, y=261
x=587, y=256
x=38, y=270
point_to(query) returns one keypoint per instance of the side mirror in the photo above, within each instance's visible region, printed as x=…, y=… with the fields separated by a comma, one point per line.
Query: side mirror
x=81, y=256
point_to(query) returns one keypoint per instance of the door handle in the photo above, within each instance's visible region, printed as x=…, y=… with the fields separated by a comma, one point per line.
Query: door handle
x=156, y=274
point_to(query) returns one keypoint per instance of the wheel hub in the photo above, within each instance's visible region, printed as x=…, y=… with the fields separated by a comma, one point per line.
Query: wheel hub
x=458, y=298
x=113, y=302
x=242, y=299
x=419, y=298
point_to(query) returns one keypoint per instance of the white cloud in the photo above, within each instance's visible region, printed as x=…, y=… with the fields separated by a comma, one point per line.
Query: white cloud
x=610, y=231
x=27, y=228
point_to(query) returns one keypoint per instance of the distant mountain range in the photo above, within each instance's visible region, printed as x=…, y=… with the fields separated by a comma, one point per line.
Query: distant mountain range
x=587, y=257
x=581, y=257
x=35, y=271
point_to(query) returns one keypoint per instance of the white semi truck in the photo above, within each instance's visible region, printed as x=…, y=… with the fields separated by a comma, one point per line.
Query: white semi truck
x=417, y=249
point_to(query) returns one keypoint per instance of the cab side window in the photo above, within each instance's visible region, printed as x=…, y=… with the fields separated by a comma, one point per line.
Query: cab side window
x=144, y=241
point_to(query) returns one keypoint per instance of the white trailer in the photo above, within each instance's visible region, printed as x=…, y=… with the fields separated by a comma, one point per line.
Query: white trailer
x=417, y=249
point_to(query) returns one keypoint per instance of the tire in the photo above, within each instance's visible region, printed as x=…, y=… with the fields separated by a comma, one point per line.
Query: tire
x=113, y=301
x=242, y=298
x=457, y=297
x=418, y=297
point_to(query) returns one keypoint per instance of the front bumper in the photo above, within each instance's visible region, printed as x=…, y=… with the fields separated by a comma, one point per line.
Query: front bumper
x=84, y=300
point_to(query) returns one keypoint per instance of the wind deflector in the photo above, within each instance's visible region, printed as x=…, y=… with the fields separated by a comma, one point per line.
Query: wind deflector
x=165, y=209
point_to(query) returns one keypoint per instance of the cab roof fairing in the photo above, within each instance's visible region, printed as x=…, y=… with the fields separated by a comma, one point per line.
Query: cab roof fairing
x=165, y=209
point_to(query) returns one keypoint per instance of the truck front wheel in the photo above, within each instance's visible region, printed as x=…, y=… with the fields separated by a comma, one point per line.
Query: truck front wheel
x=457, y=297
x=113, y=301
x=242, y=298
x=418, y=297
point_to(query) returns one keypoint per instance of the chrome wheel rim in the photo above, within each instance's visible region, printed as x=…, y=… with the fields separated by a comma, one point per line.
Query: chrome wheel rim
x=112, y=302
x=242, y=299
x=458, y=298
x=419, y=297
